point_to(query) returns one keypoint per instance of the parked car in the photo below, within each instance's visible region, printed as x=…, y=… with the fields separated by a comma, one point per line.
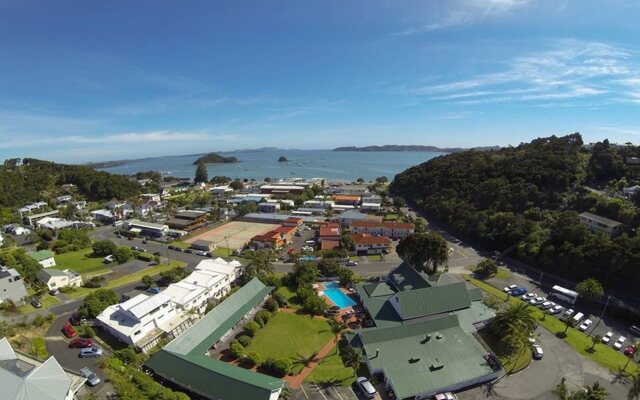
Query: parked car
x=189, y=251
x=529, y=296
x=585, y=325
x=90, y=352
x=509, y=288
x=630, y=351
x=153, y=290
x=54, y=292
x=619, y=343
x=352, y=263
x=445, y=396
x=568, y=313
x=547, y=304
x=92, y=378
x=607, y=338
x=366, y=387
x=202, y=253
x=538, y=353
x=537, y=300
x=635, y=329
x=75, y=318
x=81, y=343
x=68, y=330
x=36, y=303
x=556, y=309
x=518, y=291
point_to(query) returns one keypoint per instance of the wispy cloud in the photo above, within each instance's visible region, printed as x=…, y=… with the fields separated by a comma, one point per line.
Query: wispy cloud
x=454, y=13
x=608, y=129
x=570, y=69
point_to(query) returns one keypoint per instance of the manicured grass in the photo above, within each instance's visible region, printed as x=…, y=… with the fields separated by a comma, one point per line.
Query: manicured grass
x=38, y=348
x=46, y=301
x=81, y=261
x=222, y=252
x=291, y=336
x=290, y=296
x=503, y=273
x=181, y=244
x=374, y=257
x=604, y=355
x=332, y=370
x=391, y=217
x=82, y=292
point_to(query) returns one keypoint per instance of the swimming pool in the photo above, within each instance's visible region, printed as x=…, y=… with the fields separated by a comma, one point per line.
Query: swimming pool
x=333, y=292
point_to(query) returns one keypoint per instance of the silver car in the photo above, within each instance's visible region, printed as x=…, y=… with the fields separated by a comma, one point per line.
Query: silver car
x=366, y=387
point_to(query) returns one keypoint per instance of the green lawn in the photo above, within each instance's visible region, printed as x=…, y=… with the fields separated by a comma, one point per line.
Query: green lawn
x=510, y=364
x=331, y=369
x=222, y=252
x=391, y=217
x=181, y=244
x=290, y=296
x=503, y=273
x=46, y=301
x=154, y=270
x=374, y=257
x=291, y=336
x=81, y=261
x=604, y=355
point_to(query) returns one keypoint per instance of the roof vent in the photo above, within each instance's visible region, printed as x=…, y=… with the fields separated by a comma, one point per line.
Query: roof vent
x=436, y=365
x=438, y=336
x=426, y=338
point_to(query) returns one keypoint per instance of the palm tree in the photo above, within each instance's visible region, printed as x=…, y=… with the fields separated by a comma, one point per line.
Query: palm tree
x=259, y=263
x=352, y=358
x=517, y=340
x=594, y=392
x=338, y=328
x=519, y=315
x=595, y=339
x=568, y=323
x=634, y=390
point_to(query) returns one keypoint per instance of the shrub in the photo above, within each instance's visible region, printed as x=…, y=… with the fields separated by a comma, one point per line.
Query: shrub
x=279, y=367
x=244, y=340
x=252, y=358
x=263, y=317
x=280, y=299
x=236, y=349
x=251, y=328
x=271, y=305
x=102, y=248
x=315, y=305
x=486, y=268
x=95, y=282
x=39, y=321
x=122, y=254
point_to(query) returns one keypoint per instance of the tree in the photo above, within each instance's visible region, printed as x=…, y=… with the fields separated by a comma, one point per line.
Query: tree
x=486, y=268
x=360, y=180
x=304, y=273
x=148, y=281
x=590, y=289
x=518, y=315
x=251, y=328
x=328, y=267
x=260, y=264
x=338, y=328
x=236, y=185
x=352, y=357
x=382, y=179
x=420, y=224
x=173, y=275
x=398, y=202
x=516, y=340
x=315, y=305
x=424, y=251
x=634, y=389
x=201, y=173
x=595, y=339
x=122, y=254
x=102, y=248
x=236, y=349
x=97, y=301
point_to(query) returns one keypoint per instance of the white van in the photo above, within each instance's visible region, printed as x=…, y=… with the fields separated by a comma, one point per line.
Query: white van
x=310, y=242
x=577, y=318
x=118, y=223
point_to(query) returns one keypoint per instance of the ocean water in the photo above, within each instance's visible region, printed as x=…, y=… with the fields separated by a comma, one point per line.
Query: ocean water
x=332, y=165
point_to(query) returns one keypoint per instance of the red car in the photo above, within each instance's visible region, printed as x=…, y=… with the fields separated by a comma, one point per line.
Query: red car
x=81, y=343
x=68, y=330
x=630, y=351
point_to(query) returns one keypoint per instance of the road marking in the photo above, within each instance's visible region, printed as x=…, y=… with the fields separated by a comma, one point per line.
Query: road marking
x=338, y=393
x=320, y=391
x=354, y=393
x=303, y=392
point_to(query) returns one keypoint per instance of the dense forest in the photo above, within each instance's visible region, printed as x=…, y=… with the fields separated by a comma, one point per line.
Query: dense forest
x=25, y=182
x=526, y=200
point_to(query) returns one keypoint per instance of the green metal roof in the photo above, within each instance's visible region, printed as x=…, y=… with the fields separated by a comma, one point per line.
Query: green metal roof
x=431, y=300
x=378, y=289
x=404, y=277
x=469, y=317
x=184, y=360
x=41, y=255
x=475, y=294
x=415, y=365
x=47, y=273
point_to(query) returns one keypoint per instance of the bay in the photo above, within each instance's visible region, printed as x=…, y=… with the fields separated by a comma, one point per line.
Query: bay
x=332, y=165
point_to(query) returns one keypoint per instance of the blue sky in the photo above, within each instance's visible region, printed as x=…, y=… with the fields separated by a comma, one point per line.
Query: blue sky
x=87, y=80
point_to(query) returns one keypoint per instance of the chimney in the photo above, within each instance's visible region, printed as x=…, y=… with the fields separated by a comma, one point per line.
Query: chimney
x=377, y=352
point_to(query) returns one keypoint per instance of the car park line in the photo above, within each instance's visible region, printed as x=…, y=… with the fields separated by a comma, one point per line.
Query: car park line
x=338, y=393
x=320, y=391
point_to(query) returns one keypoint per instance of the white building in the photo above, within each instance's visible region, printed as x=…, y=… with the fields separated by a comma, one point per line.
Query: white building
x=147, y=228
x=63, y=199
x=143, y=320
x=394, y=230
x=221, y=189
x=25, y=378
x=103, y=215
x=197, y=289
x=630, y=191
x=601, y=224
x=56, y=279
x=44, y=257
x=233, y=268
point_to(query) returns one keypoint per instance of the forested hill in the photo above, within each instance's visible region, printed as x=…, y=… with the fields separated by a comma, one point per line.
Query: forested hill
x=527, y=199
x=25, y=183
x=213, y=158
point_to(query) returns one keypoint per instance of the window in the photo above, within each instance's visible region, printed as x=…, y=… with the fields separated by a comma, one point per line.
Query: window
x=137, y=332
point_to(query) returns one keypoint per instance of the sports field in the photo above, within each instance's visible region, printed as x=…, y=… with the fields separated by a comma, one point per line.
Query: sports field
x=236, y=233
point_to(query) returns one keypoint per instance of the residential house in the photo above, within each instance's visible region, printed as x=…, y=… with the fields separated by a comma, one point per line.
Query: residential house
x=355, y=189
x=285, y=202
x=633, y=161
x=151, y=197
x=287, y=232
x=394, y=230
x=193, y=293
x=597, y=223
x=268, y=207
x=147, y=228
x=44, y=258
x=293, y=221
x=186, y=363
x=30, y=208
x=272, y=240
x=188, y=220
x=63, y=199
x=23, y=377
x=248, y=197
x=330, y=231
x=221, y=189
x=56, y=279
x=104, y=216
x=281, y=189
x=365, y=243
x=232, y=269
x=143, y=320
x=31, y=220
x=323, y=204
x=57, y=224
x=11, y=286
x=371, y=202
x=79, y=205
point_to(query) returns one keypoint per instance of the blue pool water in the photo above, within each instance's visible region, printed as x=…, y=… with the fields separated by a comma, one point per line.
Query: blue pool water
x=333, y=292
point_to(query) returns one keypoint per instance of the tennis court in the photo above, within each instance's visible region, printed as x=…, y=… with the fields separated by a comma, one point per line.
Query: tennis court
x=235, y=233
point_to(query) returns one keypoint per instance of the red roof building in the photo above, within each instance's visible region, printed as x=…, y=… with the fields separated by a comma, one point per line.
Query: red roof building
x=365, y=243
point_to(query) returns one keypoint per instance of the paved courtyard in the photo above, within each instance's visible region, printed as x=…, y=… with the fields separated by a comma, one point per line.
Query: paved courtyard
x=236, y=233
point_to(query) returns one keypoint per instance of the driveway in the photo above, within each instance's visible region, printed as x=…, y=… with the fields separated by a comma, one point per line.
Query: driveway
x=312, y=391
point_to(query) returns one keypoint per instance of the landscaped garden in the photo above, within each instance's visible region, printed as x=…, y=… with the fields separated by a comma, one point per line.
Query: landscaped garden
x=332, y=370
x=81, y=261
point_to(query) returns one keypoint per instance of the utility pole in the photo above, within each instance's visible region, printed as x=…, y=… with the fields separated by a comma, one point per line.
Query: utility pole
x=540, y=279
x=604, y=309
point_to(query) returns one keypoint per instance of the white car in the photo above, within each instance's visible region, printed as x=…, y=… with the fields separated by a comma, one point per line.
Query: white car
x=620, y=342
x=569, y=312
x=528, y=296
x=445, y=396
x=607, y=338
x=537, y=352
x=546, y=304
x=556, y=309
x=537, y=300
x=509, y=288
x=585, y=325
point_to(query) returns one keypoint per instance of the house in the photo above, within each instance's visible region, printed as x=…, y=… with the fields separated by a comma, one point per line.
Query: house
x=330, y=231
x=364, y=244
x=25, y=378
x=185, y=361
x=244, y=198
x=30, y=220
x=347, y=200
x=221, y=189
x=11, y=286
x=188, y=220
x=371, y=202
x=56, y=279
x=147, y=228
x=322, y=204
x=268, y=207
x=193, y=293
x=104, y=216
x=597, y=223
x=347, y=217
x=329, y=244
x=57, y=224
x=629, y=192
x=203, y=245
x=285, y=202
x=143, y=320
x=63, y=199
x=424, y=340
x=272, y=240
x=151, y=197
x=147, y=207
x=293, y=221
x=281, y=189
x=29, y=208
x=44, y=258
x=394, y=230
x=287, y=232
x=232, y=269
x=18, y=230
x=354, y=189
x=79, y=205
x=309, y=211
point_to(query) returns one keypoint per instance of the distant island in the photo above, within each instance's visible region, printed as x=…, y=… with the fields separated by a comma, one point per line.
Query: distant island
x=213, y=158
x=282, y=159
x=396, y=147
x=106, y=164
